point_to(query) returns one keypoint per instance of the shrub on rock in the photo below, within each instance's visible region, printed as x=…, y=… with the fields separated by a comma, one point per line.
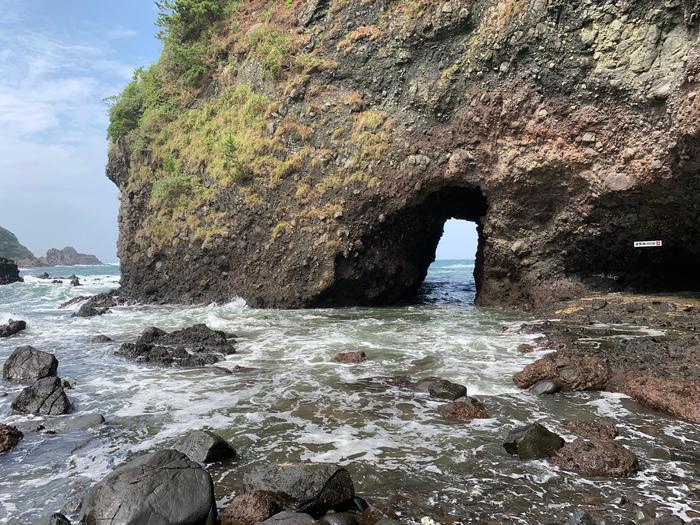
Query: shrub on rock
x=27, y=364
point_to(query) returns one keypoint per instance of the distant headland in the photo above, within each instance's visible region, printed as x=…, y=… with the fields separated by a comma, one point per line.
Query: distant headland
x=11, y=248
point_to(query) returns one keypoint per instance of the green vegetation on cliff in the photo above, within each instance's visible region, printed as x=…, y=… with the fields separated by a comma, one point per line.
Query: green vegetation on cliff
x=10, y=247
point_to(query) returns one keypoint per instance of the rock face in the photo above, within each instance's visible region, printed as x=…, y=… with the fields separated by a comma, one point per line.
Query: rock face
x=675, y=396
x=27, y=365
x=162, y=487
x=195, y=346
x=9, y=273
x=203, y=446
x=45, y=397
x=565, y=130
x=68, y=256
x=311, y=488
x=9, y=437
x=12, y=328
x=573, y=371
x=532, y=442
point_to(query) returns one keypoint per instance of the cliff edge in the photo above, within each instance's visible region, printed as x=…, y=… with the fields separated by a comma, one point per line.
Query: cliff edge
x=308, y=153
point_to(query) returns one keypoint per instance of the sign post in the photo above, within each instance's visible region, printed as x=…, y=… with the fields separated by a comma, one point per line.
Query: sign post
x=648, y=244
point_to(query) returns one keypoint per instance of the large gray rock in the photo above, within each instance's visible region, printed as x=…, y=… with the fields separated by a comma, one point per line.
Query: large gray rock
x=312, y=488
x=532, y=442
x=45, y=397
x=162, y=488
x=203, y=446
x=27, y=364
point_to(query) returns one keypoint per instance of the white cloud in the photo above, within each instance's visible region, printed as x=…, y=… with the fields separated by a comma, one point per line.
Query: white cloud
x=122, y=33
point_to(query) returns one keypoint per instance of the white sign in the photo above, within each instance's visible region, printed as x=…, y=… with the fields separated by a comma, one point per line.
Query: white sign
x=647, y=244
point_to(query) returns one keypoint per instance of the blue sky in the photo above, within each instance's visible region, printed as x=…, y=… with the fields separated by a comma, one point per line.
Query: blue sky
x=59, y=60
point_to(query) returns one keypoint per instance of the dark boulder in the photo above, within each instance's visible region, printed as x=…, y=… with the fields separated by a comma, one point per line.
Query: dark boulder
x=204, y=446
x=27, y=365
x=9, y=437
x=55, y=519
x=9, y=273
x=464, y=410
x=195, y=346
x=339, y=518
x=313, y=488
x=532, y=442
x=350, y=357
x=75, y=282
x=45, y=397
x=596, y=457
x=443, y=389
x=289, y=518
x=250, y=508
x=12, y=328
x=164, y=487
x=96, y=305
x=101, y=339
x=44, y=275
x=546, y=387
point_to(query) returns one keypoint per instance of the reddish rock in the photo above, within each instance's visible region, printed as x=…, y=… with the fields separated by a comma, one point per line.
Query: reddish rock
x=678, y=397
x=575, y=372
x=9, y=437
x=463, y=410
x=596, y=457
x=592, y=429
x=250, y=508
x=525, y=349
x=350, y=357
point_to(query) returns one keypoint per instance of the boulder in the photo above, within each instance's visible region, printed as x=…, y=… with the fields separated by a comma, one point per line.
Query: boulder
x=596, y=457
x=27, y=364
x=75, y=282
x=592, y=429
x=45, y=397
x=55, y=519
x=672, y=395
x=204, y=446
x=77, y=423
x=250, y=508
x=163, y=487
x=443, y=389
x=532, y=442
x=290, y=518
x=313, y=488
x=525, y=349
x=546, y=387
x=101, y=339
x=96, y=305
x=463, y=410
x=12, y=328
x=573, y=371
x=350, y=357
x=9, y=273
x=339, y=518
x=9, y=437
x=195, y=346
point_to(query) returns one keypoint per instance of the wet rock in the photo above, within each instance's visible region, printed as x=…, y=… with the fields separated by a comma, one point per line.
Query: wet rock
x=312, y=11
x=195, y=346
x=162, y=487
x=77, y=423
x=375, y=516
x=45, y=397
x=360, y=503
x=9, y=437
x=9, y=273
x=574, y=371
x=672, y=395
x=596, y=457
x=592, y=429
x=532, y=442
x=101, y=339
x=75, y=282
x=250, y=508
x=350, y=357
x=463, y=410
x=545, y=388
x=339, y=518
x=599, y=304
x=12, y=328
x=289, y=518
x=525, y=349
x=27, y=364
x=313, y=488
x=580, y=517
x=96, y=305
x=204, y=446
x=443, y=389
x=55, y=519
x=669, y=519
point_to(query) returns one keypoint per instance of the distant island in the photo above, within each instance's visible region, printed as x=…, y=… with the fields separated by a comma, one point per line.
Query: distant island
x=11, y=248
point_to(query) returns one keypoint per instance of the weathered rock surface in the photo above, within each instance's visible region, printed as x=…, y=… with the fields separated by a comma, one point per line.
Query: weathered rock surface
x=339, y=518
x=290, y=518
x=350, y=357
x=564, y=129
x=250, y=508
x=9, y=437
x=55, y=519
x=672, y=395
x=543, y=388
x=443, y=389
x=574, y=371
x=194, y=346
x=12, y=327
x=596, y=457
x=67, y=256
x=27, y=365
x=77, y=423
x=532, y=442
x=162, y=487
x=96, y=305
x=9, y=273
x=45, y=397
x=100, y=339
x=463, y=410
x=592, y=429
x=204, y=446
x=312, y=488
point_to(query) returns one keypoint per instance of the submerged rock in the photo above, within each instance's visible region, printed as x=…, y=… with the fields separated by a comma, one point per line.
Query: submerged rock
x=77, y=423
x=545, y=388
x=204, y=446
x=164, y=487
x=443, y=389
x=596, y=457
x=250, y=508
x=195, y=346
x=45, y=397
x=463, y=410
x=12, y=327
x=101, y=339
x=350, y=357
x=313, y=488
x=532, y=442
x=9, y=437
x=27, y=364
x=574, y=371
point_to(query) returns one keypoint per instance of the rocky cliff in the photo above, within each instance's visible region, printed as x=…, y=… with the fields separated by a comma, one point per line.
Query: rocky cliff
x=308, y=153
x=8, y=272
x=11, y=248
x=68, y=256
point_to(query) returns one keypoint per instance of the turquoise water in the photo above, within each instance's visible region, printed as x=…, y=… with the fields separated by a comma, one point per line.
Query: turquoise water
x=295, y=404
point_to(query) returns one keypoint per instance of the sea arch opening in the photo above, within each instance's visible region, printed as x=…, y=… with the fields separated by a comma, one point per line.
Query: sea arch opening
x=390, y=263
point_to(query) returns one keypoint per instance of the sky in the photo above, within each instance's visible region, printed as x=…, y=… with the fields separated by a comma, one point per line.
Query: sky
x=59, y=60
